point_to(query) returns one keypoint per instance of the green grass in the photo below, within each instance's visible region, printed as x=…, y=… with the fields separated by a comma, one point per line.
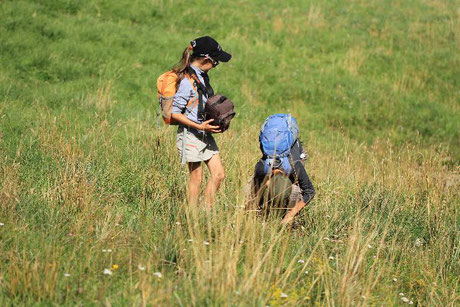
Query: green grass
x=83, y=168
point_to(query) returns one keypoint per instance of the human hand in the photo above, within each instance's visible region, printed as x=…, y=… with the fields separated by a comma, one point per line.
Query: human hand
x=289, y=217
x=206, y=126
x=287, y=220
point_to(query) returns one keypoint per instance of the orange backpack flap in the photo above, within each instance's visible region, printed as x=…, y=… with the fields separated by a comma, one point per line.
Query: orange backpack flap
x=166, y=89
x=166, y=84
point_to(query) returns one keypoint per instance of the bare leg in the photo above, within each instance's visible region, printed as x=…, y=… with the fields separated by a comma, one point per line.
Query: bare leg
x=196, y=176
x=217, y=176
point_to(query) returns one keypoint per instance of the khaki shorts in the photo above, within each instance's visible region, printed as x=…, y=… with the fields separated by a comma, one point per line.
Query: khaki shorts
x=198, y=147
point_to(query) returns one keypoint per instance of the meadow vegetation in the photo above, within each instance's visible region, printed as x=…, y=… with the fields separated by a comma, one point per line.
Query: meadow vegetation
x=89, y=182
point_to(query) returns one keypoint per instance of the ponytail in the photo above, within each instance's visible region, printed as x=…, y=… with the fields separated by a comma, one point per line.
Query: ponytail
x=182, y=67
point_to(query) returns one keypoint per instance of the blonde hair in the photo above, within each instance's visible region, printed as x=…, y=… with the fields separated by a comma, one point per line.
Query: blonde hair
x=182, y=67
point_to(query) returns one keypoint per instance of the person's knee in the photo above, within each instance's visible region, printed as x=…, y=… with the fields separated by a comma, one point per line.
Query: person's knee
x=219, y=176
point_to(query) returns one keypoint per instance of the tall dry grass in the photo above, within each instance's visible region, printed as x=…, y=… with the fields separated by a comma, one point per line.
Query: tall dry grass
x=92, y=194
x=384, y=222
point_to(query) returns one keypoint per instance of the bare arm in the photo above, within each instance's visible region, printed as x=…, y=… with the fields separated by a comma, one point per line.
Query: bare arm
x=206, y=126
x=290, y=215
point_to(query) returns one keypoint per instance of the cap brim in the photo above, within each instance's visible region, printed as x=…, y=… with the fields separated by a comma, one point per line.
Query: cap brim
x=223, y=57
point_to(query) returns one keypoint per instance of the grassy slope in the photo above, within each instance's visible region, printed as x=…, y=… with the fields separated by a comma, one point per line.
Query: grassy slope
x=374, y=84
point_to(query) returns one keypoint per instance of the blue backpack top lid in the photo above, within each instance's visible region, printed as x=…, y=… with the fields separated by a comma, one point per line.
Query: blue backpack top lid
x=277, y=135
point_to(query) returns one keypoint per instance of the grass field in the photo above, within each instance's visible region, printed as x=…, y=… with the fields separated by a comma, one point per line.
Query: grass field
x=89, y=183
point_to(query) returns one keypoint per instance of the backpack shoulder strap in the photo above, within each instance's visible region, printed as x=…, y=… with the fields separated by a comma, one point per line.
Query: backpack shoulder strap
x=192, y=102
x=191, y=75
x=200, y=89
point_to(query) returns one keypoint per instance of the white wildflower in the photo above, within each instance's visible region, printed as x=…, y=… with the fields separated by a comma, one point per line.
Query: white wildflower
x=419, y=242
x=331, y=257
x=177, y=223
x=405, y=299
x=2, y=224
x=158, y=274
x=205, y=242
x=107, y=272
x=141, y=267
x=395, y=279
x=283, y=295
x=66, y=274
x=401, y=294
x=301, y=261
x=306, y=272
x=104, y=251
x=369, y=246
x=190, y=240
x=109, y=250
x=363, y=296
x=411, y=303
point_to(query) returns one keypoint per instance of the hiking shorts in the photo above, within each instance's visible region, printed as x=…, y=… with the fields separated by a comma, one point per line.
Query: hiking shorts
x=198, y=148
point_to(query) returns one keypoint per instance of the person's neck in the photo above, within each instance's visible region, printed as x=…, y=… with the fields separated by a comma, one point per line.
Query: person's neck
x=198, y=65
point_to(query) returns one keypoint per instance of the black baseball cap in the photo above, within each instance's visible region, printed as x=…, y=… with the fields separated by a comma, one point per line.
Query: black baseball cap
x=207, y=46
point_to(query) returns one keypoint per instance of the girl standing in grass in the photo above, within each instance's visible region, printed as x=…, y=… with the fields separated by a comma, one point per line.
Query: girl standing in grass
x=194, y=135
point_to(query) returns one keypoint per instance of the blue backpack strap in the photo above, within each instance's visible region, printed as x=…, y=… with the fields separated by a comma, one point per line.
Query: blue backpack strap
x=286, y=165
x=293, y=127
x=268, y=163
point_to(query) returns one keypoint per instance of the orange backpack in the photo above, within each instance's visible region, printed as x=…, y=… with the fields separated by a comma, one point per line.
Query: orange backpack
x=166, y=89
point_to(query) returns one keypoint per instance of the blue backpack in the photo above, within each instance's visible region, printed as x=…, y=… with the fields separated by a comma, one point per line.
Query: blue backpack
x=276, y=137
